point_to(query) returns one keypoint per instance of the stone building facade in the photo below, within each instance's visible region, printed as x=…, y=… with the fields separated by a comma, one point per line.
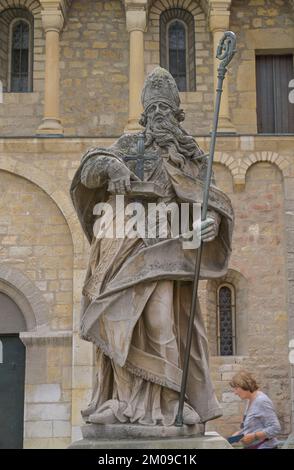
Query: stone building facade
x=89, y=59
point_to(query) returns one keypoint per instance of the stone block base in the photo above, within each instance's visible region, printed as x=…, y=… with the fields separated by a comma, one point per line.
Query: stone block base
x=289, y=443
x=148, y=437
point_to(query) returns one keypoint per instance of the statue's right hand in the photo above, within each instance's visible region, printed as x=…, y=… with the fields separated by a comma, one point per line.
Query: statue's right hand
x=119, y=177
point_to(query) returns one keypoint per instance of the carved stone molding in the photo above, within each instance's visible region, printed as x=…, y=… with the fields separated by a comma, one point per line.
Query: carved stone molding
x=136, y=15
x=219, y=15
x=25, y=294
x=136, y=20
x=44, y=336
x=57, y=5
x=135, y=4
x=52, y=20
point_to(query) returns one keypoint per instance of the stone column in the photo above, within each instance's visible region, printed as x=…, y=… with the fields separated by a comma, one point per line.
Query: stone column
x=136, y=20
x=219, y=18
x=52, y=20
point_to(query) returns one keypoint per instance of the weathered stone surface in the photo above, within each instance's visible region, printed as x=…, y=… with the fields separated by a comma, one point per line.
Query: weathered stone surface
x=44, y=393
x=94, y=49
x=35, y=222
x=259, y=25
x=136, y=431
x=289, y=443
x=58, y=411
x=61, y=429
x=211, y=440
x=36, y=429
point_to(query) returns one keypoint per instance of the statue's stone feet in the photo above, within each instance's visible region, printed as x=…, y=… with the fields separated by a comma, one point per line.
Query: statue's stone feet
x=103, y=417
x=190, y=417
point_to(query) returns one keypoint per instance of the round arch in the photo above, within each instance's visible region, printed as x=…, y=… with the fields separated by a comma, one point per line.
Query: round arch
x=270, y=157
x=16, y=285
x=33, y=6
x=12, y=320
x=226, y=160
x=60, y=198
x=195, y=7
x=223, y=177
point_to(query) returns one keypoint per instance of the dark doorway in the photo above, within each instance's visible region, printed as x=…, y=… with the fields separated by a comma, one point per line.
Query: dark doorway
x=12, y=375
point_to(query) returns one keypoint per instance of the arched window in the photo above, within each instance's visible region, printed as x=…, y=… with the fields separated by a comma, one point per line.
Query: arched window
x=177, y=66
x=177, y=47
x=20, y=56
x=226, y=323
x=16, y=49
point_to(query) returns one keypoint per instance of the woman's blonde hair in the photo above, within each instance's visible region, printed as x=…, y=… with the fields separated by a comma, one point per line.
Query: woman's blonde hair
x=244, y=380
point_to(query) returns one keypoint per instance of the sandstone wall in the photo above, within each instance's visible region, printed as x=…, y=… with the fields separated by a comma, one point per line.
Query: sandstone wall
x=94, y=58
x=21, y=113
x=36, y=244
x=94, y=69
x=260, y=26
x=258, y=257
x=36, y=240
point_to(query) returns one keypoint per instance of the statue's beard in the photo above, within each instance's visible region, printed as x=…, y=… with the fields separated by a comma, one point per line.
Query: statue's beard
x=168, y=134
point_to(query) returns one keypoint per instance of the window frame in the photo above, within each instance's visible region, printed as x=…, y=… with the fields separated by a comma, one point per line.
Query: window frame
x=168, y=25
x=233, y=309
x=30, y=54
x=184, y=16
x=271, y=53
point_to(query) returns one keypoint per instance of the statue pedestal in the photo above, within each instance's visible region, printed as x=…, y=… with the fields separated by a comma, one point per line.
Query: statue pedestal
x=132, y=436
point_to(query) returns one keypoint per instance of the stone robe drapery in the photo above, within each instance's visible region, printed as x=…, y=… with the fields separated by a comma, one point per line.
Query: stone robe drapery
x=123, y=274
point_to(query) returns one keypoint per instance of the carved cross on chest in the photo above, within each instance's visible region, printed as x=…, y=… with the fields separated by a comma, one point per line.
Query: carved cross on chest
x=140, y=158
